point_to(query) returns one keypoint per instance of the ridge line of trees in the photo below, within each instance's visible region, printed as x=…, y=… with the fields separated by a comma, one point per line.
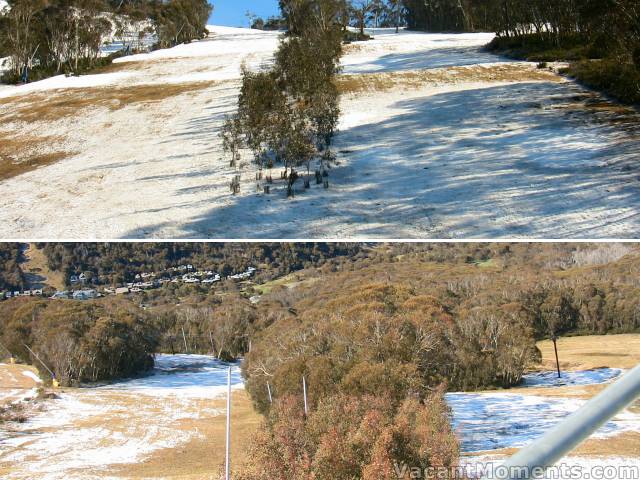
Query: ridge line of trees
x=48, y=37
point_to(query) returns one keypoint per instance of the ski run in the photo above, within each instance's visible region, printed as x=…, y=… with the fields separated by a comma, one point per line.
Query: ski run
x=437, y=139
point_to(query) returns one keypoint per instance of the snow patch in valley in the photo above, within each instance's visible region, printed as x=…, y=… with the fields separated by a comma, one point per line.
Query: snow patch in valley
x=496, y=420
x=504, y=420
x=584, y=377
x=96, y=427
x=187, y=376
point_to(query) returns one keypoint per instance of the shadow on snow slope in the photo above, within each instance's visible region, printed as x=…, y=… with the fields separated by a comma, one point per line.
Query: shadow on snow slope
x=515, y=160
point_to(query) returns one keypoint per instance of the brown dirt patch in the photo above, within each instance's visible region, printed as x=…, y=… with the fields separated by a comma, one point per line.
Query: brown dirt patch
x=36, y=265
x=413, y=79
x=13, y=382
x=59, y=104
x=624, y=445
x=202, y=458
x=23, y=153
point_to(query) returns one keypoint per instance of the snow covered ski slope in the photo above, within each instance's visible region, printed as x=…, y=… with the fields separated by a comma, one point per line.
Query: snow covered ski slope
x=438, y=139
x=497, y=420
x=88, y=432
x=493, y=425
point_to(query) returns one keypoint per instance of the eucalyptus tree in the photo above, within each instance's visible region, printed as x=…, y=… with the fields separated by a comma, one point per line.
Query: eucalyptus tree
x=289, y=113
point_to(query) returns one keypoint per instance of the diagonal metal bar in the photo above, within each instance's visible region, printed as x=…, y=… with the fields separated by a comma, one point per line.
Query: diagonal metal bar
x=546, y=451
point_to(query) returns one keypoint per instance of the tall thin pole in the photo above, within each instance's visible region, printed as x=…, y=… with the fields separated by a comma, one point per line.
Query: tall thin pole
x=53, y=375
x=227, y=462
x=555, y=348
x=304, y=390
x=184, y=338
x=269, y=392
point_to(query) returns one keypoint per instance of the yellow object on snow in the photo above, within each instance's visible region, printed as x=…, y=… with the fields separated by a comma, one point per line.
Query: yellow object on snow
x=55, y=383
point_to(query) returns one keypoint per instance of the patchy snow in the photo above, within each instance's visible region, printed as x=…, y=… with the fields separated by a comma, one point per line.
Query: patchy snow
x=491, y=421
x=92, y=428
x=187, y=376
x=452, y=158
x=389, y=52
x=217, y=58
x=504, y=420
x=31, y=375
x=567, y=378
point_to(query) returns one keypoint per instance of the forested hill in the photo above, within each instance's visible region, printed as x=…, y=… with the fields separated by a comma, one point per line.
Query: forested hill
x=419, y=315
x=601, y=37
x=11, y=275
x=113, y=263
x=465, y=313
x=45, y=38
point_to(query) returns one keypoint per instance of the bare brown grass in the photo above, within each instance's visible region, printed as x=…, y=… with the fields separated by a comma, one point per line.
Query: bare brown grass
x=13, y=378
x=20, y=154
x=202, y=457
x=37, y=264
x=413, y=79
x=593, y=351
x=60, y=104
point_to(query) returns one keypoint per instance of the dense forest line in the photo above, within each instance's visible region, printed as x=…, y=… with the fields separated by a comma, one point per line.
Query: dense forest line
x=379, y=341
x=44, y=38
x=79, y=342
x=468, y=315
x=11, y=275
x=602, y=37
x=117, y=263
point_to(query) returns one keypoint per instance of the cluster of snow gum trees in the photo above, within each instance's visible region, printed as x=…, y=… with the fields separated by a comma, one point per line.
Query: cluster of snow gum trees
x=288, y=114
x=556, y=21
x=65, y=36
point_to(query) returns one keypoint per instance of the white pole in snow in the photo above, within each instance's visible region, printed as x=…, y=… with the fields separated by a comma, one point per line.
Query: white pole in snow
x=228, y=450
x=184, y=337
x=534, y=459
x=304, y=390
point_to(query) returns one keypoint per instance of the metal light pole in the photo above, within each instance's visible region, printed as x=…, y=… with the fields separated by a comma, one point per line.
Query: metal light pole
x=184, y=338
x=304, y=390
x=532, y=461
x=227, y=463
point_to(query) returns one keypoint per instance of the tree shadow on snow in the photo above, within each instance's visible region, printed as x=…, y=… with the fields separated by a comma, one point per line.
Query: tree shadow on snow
x=496, y=162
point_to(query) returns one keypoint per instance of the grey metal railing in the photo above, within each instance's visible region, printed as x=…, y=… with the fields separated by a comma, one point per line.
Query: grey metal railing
x=532, y=460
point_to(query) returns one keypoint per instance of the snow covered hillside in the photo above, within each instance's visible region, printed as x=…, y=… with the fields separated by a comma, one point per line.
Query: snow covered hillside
x=497, y=420
x=98, y=431
x=87, y=431
x=491, y=425
x=437, y=139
